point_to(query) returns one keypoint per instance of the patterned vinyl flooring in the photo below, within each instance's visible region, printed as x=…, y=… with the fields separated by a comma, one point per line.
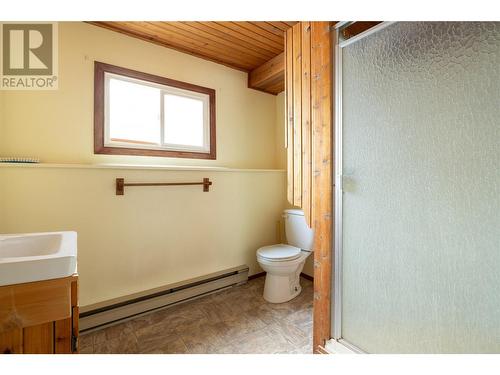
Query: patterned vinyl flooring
x=235, y=320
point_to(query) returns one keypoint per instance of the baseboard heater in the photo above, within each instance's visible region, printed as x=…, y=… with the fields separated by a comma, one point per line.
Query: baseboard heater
x=115, y=311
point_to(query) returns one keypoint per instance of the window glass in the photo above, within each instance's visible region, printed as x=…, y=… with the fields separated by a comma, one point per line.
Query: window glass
x=134, y=113
x=183, y=118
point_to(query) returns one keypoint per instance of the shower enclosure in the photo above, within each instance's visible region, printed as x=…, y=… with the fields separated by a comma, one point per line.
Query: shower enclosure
x=417, y=201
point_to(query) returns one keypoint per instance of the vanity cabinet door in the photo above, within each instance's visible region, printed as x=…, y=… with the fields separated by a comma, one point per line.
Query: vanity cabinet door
x=11, y=342
x=39, y=339
x=23, y=320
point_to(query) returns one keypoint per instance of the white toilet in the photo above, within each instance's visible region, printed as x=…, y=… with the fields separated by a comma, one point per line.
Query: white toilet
x=284, y=263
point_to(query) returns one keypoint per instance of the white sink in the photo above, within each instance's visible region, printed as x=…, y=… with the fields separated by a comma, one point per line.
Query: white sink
x=36, y=256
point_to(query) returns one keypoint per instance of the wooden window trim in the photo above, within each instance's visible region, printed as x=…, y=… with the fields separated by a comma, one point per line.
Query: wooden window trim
x=99, y=112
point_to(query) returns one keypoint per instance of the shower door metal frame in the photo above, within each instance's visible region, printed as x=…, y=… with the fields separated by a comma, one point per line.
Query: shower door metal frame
x=336, y=331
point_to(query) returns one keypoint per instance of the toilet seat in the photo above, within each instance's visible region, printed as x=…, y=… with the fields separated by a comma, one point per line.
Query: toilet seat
x=279, y=253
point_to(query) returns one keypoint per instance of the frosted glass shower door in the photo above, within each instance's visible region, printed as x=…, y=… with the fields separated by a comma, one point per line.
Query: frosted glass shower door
x=420, y=217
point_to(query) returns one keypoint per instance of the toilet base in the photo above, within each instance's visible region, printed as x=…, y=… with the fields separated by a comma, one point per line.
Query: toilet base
x=282, y=278
x=281, y=288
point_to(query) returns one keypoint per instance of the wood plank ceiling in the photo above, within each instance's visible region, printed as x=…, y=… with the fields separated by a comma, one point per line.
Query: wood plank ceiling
x=244, y=46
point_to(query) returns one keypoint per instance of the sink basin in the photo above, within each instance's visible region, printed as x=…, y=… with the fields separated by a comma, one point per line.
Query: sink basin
x=36, y=256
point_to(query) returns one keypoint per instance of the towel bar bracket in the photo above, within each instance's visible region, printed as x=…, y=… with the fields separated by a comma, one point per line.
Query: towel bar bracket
x=120, y=184
x=120, y=188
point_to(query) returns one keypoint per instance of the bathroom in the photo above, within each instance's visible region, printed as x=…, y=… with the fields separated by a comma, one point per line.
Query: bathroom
x=150, y=238
x=171, y=189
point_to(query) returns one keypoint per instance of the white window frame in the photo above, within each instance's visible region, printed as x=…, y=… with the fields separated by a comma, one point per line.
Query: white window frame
x=164, y=90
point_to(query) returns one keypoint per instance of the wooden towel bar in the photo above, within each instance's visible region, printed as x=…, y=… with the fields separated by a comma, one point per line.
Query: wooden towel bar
x=120, y=184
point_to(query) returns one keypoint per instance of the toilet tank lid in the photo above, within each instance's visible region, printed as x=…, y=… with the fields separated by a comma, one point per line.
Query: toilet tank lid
x=293, y=211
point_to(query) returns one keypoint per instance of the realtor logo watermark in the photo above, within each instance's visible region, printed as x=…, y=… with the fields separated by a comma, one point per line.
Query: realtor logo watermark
x=29, y=56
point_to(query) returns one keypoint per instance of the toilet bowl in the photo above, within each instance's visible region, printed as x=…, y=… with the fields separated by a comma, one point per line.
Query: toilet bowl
x=283, y=263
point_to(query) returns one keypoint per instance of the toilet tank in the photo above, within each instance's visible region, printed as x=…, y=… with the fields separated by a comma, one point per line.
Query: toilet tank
x=297, y=232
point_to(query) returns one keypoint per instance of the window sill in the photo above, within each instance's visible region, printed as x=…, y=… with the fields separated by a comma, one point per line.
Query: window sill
x=136, y=167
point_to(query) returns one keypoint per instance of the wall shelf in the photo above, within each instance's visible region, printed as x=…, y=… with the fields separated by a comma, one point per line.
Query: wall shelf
x=138, y=167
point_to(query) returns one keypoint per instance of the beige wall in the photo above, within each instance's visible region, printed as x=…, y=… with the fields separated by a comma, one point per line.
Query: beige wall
x=2, y=183
x=2, y=112
x=3, y=216
x=151, y=236
x=58, y=127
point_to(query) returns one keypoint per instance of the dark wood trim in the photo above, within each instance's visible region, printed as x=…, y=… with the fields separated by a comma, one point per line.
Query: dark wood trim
x=357, y=28
x=257, y=275
x=99, y=147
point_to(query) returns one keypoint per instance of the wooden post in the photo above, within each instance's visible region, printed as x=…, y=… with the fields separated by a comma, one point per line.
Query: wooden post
x=322, y=192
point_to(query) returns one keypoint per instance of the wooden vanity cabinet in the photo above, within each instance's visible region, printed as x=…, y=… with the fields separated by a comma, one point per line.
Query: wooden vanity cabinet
x=39, y=317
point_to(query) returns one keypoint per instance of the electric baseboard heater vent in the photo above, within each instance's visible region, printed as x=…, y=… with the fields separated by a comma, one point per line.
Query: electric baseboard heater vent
x=118, y=310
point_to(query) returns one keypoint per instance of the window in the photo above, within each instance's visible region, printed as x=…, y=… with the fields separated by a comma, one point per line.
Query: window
x=141, y=114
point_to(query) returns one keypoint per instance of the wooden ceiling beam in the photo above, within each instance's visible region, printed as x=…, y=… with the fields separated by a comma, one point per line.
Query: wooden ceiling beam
x=276, y=88
x=270, y=76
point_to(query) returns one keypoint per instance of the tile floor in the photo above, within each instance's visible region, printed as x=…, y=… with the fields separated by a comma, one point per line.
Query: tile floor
x=235, y=320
